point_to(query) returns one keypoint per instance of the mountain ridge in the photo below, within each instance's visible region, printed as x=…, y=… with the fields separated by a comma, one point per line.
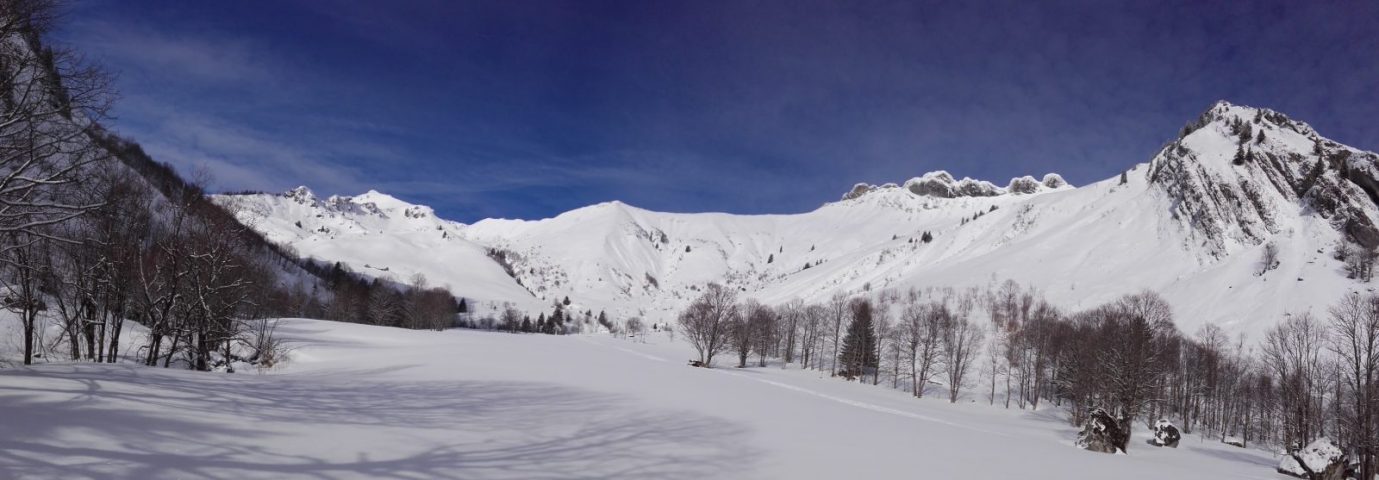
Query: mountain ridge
x=1191, y=214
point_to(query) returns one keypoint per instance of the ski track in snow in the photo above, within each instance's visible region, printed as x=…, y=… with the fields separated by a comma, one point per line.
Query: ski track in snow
x=858, y=404
x=814, y=393
x=625, y=350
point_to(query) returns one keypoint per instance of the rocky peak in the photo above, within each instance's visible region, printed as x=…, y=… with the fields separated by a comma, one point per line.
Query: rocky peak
x=1232, y=169
x=941, y=184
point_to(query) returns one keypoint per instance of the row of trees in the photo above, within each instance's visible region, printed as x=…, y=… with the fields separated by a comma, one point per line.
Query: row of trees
x=1308, y=378
x=936, y=337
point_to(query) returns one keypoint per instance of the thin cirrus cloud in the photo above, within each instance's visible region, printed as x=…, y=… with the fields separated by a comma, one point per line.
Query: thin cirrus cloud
x=527, y=109
x=232, y=111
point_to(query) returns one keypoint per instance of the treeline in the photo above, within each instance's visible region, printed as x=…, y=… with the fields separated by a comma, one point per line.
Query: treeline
x=357, y=299
x=561, y=321
x=1308, y=378
x=93, y=233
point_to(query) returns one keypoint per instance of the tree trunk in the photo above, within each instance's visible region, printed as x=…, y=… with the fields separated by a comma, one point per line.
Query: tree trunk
x=28, y=341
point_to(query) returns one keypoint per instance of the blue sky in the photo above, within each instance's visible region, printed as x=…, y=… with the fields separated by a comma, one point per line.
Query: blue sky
x=524, y=109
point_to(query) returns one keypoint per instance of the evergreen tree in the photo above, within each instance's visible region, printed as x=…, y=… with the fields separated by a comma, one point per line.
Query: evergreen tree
x=464, y=307
x=771, y=258
x=1260, y=138
x=526, y=324
x=927, y=237
x=556, y=324
x=859, y=346
x=567, y=301
x=1239, y=155
x=1124, y=178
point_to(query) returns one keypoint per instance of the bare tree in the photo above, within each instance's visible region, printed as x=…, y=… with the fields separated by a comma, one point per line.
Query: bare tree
x=636, y=327
x=789, y=319
x=762, y=324
x=707, y=322
x=962, y=340
x=1293, y=352
x=1268, y=259
x=49, y=107
x=1355, y=340
x=837, y=310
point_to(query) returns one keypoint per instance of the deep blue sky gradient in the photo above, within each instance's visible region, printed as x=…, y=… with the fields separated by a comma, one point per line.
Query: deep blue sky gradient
x=529, y=108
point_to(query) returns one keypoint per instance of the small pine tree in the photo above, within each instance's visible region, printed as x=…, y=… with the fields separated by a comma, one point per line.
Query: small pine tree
x=1246, y=134
x=859, y=346
x=1239, y=156
x=1260, y=138
x=927, y=237
x=687, y=249
x=1124, y=178
x=526, y=323
x=464, y=307
x=771, y=258
x=566, y=302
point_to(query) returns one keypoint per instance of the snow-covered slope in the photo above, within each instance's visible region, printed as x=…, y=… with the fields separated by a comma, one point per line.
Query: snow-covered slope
x=380, y=236
x=1191, y=223
x=358, y=401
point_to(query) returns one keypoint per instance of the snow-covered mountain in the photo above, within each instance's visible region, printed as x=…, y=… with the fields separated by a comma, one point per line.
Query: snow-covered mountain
x=1190, y=223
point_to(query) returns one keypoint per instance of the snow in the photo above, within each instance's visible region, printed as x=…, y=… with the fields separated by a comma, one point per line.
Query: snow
x=1081, y=246
x=1317, y=455
x=368, y=402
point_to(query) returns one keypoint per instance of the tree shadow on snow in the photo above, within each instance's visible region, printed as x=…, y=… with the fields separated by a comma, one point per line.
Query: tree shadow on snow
x=131, y=422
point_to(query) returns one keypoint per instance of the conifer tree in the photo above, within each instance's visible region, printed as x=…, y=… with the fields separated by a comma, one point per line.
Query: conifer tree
x=859, y=346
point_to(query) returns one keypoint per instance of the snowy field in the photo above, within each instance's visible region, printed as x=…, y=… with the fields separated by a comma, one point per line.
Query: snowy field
x=372, y=402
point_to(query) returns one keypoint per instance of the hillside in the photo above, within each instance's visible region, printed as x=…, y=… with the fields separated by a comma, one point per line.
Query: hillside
x=1191, y=223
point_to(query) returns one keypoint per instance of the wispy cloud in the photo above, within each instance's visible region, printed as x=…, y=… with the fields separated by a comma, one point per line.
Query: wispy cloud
x=182, y=56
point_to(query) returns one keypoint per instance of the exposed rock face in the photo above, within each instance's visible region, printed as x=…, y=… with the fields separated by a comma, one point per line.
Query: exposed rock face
x=1165, y=435
x=941, y=184
x=1231, y=170
x=1103, y=433
x=858, y=190
x=1023, y=185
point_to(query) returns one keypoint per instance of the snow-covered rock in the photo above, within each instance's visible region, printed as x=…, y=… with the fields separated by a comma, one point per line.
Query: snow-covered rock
x=1165, y=434
x=1102, y=433
x=1319, y=460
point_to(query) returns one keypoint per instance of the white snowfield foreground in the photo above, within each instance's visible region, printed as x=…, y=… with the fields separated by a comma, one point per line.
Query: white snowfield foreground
x=373, y=402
